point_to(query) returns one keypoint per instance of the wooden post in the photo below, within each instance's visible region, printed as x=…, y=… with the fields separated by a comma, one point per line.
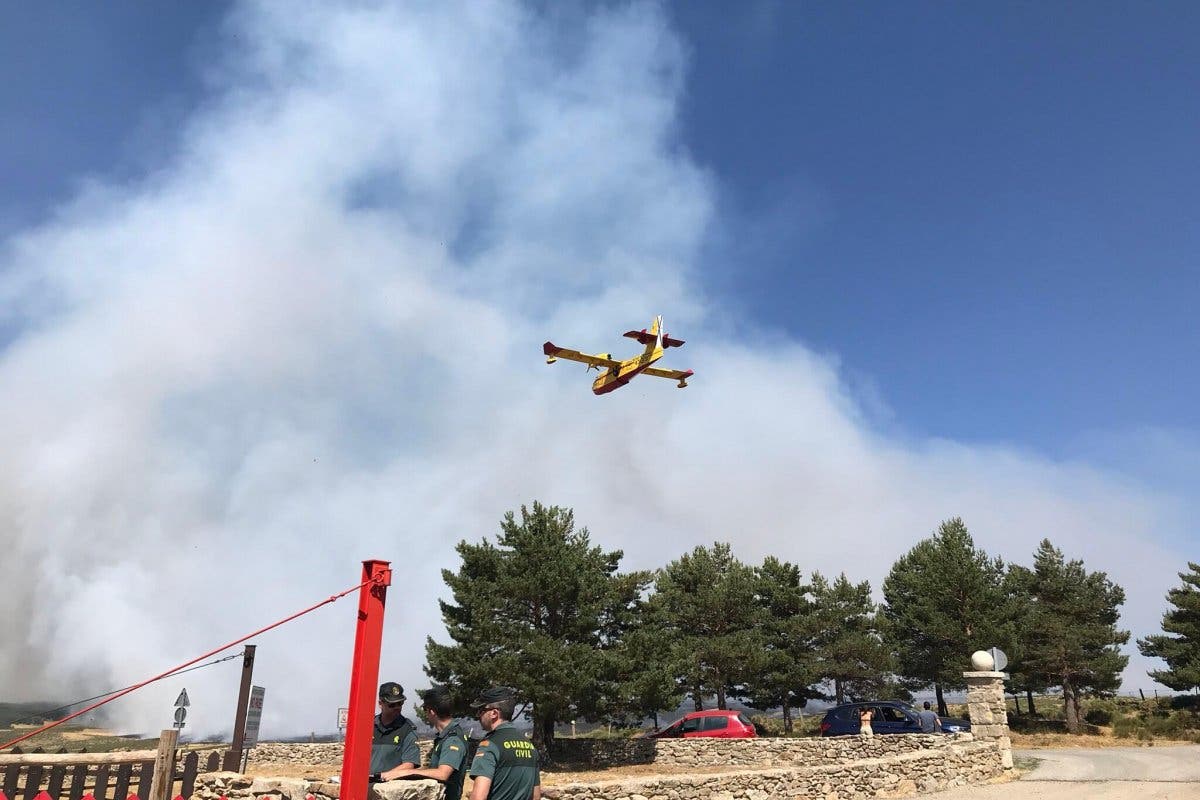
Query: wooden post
x=364, y=679
x=233, y=758
x=164, y=766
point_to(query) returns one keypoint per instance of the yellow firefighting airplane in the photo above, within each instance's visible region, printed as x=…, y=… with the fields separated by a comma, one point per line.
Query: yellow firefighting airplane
x=618, y=373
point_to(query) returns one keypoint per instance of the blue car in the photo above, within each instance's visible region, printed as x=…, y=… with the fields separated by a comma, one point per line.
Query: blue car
x=891, y=716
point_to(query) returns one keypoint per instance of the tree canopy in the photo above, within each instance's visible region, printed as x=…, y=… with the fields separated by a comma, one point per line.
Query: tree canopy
x=1075, y=615
x=543, y=611
x=708, y=599
x=943, y=601
x=785, y=669
x=1179, y=644
x=845, y=640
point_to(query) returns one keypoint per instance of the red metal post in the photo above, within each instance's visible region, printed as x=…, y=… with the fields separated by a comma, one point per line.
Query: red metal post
x=364, y=679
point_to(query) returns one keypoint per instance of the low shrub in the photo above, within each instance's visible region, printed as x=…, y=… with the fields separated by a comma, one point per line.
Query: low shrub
x=1035, y=725
x=1189, y=702
x=1125, y=727
x=767, y=726
x=1098, y=716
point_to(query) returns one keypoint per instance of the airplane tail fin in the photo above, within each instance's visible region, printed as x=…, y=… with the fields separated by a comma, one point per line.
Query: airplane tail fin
x=655, y=336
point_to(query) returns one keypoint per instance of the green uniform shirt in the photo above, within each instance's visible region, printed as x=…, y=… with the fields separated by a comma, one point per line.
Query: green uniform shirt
x=449, y=750
x=393, y=745
x=510, y=760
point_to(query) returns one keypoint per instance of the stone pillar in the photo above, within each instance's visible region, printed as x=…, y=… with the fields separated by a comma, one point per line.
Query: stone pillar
x=988, y=711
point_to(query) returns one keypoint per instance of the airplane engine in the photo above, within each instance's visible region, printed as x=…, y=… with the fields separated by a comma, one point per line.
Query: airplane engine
x=593, y=366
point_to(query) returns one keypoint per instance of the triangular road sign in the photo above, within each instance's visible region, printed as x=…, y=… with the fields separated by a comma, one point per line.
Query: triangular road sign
x=182, y=701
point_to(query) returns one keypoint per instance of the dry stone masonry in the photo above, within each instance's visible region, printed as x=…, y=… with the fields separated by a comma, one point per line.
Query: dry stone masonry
x=764, y=752
x=235, y=786
x=988, y=710
x=961, y=762
x=306, y=753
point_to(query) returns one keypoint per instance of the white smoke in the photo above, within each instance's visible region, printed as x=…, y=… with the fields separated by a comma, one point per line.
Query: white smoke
x=315, y=338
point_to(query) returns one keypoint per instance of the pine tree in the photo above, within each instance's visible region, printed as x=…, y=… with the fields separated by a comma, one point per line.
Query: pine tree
x=943, y=602
x=786, y=673
x=1181, y=651
x=1022, y=635
x=845, y=640
x=708, y=599
x=1075, y=615
x=652, y=660
x=541, y=610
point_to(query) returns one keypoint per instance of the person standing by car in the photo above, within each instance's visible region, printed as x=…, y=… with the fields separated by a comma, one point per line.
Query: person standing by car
x=506, y=764
x=864, y=720
x=930, y=722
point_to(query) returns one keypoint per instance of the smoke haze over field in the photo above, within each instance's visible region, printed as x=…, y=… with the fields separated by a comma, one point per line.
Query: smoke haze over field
x=314, y=338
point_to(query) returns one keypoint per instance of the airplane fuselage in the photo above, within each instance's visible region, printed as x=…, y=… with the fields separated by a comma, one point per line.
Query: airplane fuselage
x=616, y=377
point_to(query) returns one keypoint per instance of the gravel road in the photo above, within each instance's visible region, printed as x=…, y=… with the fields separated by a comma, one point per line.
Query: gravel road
x=1107, y=773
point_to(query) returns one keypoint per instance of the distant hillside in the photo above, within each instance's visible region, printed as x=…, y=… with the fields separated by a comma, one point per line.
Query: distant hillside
x=26, y=712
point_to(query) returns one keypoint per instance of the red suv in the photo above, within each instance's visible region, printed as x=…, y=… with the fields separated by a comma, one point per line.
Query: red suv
x=718, y=723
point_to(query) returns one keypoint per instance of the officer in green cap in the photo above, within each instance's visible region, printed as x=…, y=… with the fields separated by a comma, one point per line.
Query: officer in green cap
x=506, y=763
x=446, y=760
x=395, y=741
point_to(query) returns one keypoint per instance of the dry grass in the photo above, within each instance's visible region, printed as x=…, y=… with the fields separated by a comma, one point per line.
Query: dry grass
x=1046, y=741
x=73, y=739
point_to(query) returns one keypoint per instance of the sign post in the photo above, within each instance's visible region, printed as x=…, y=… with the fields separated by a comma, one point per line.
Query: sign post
x=233, y=758
x=181, y=704
x=253, y=718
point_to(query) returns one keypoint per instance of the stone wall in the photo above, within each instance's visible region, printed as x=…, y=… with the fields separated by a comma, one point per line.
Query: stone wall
x=305, y=753
x=848, y=768
x=761, y=752
x=235, y=786
x=960, y=762
x=296, y=753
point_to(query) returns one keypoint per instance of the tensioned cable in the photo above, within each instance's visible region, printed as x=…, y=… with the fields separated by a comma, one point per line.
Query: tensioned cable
x=45, y=714
x=168, y=673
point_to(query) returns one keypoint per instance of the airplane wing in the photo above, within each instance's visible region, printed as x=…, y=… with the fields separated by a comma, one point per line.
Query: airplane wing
x=680, y=375
x=554, y=351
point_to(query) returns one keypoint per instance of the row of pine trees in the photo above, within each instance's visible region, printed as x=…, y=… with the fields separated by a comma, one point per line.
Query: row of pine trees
x=544, y=610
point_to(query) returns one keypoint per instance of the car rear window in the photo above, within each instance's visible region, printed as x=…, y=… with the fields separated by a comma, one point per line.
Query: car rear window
x=714, y=723
x=742, y=719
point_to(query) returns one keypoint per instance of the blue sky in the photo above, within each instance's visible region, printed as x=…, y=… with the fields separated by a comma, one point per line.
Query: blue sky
x=989, y=214
x=274, y=279
x=1007, y=198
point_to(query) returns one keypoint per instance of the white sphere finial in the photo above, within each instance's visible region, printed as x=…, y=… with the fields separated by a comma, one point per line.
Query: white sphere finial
x=982, y=661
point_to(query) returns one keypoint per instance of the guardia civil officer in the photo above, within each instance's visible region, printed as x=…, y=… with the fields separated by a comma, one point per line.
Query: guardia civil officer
x=449, y=746
x=506, y=763
x=395, y=741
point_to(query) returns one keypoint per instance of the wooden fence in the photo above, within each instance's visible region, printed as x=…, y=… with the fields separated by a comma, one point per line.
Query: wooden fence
x=104, y=776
